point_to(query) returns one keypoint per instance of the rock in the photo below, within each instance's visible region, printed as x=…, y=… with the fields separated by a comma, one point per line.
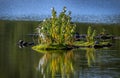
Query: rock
x=104, y=36
x=22, y=44
x=96, y=42
x=102, y=46
x=98, y=46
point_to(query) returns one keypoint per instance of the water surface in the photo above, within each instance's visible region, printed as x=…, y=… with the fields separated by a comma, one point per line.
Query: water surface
x=78, y=63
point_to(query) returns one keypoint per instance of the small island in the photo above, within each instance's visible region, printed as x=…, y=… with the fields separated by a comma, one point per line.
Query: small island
x=59, y=33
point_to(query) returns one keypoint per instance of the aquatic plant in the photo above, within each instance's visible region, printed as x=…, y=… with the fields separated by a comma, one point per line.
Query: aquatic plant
x=90, y=35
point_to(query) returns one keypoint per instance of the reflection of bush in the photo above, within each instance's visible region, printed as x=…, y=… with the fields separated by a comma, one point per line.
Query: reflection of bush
x=90, y=54
x=56, y=63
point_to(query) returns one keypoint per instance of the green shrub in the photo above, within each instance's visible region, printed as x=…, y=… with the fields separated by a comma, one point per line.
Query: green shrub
x=91, y=35
x=57, y=29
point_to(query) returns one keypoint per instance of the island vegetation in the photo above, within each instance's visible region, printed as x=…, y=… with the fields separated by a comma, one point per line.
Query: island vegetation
x=58, y=33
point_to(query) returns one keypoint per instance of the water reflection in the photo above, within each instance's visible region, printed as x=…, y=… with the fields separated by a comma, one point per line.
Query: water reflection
x=62, y=63
x=90, y=55
x=55, y=63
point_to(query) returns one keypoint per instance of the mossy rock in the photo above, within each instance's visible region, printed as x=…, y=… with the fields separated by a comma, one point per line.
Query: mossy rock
x=53, y=47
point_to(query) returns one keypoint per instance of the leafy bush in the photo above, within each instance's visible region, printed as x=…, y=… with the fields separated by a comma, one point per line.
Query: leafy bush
x=57, y=29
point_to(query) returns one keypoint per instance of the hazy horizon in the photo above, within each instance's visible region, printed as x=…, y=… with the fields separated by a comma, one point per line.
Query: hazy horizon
x=19, y=9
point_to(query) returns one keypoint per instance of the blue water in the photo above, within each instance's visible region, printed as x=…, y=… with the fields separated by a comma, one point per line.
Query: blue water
x=75, y=18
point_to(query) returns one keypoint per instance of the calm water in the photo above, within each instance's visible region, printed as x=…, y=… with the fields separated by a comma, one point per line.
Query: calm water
x=78, y=63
